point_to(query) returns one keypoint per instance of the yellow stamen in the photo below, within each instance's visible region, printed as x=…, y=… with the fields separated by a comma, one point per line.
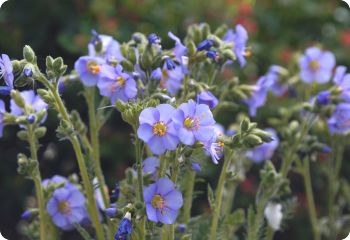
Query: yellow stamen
x=64, y=207
x=159, y=129
x=158, y=202
x=314, y=65
x=93, y=67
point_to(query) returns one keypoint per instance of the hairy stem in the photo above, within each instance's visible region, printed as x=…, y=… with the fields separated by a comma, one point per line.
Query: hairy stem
x=37, y=182
x=310, y=199
x=95, y=143
x=218, y=196
x=92, y=206
x=138, y=149
x=188, y=196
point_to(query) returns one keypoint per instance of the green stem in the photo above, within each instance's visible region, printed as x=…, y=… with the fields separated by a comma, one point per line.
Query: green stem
x=188, y=196
x=310, y=199
x=269, y=233
x=95, y=143
x=289, y=157
x=228, y=200
x=37, y=182
x=333, y=181
x=139, y=195
x=92, y=207
x=218, y=197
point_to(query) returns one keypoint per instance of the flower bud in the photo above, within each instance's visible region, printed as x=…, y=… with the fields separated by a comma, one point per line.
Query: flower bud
x=16, y=96
x=28, y=54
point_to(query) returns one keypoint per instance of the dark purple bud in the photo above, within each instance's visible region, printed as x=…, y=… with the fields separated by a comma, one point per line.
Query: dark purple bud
x=111, y=212
x=61, y=86
x=157, y=74
x=170, y=65
x=27, y=214
x=213, y=55
x=207, y=98
x=135, y=76
x=205, y=45
x=323, y=98
x=181, y=228
x=115, y=192
x=31, y=118
x=125, y=228
x=5, y=90
x=196, y=167
x=153, y=39
x=28, y=72
x=326, y=149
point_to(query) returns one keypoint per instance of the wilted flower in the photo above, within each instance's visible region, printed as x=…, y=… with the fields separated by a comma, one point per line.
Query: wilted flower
x=343, y=81
x=89, y=69
x=206, y=97
x=316, y=65
x=67, y=207
x=6, y=70
x=274, y=215
x=264, y=151
x=194, y=122
x=163, y=201
x=339, y=122
x=214, y=147
x=157, y=129
x=171, y=79
x=125, y=228
x=117, y=85
x=239, y=39
x=179, y=50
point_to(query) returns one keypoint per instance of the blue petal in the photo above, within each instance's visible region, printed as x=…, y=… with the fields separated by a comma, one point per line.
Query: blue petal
x=151, y=213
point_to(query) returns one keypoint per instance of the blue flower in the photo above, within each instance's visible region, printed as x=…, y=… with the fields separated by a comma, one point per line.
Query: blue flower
x=214, y=147
x=239, y=38
x=117, y=85
x=205, y=45
x=150, y=166
x=264, y=151
x=67, y=207
x=270, y=82
x=111, y=212
x=316, y=65
x=2, y=112
x=339, y=122
x=6, y=70
x=110, y=50
x=194, y=122
x=157, y=129
x=206, y=97
x=89, y=69
x=163, y=201
x=30, y=99
x=125, y=228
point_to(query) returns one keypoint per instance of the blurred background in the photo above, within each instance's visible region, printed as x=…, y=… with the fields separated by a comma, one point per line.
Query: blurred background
x=276, y=28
